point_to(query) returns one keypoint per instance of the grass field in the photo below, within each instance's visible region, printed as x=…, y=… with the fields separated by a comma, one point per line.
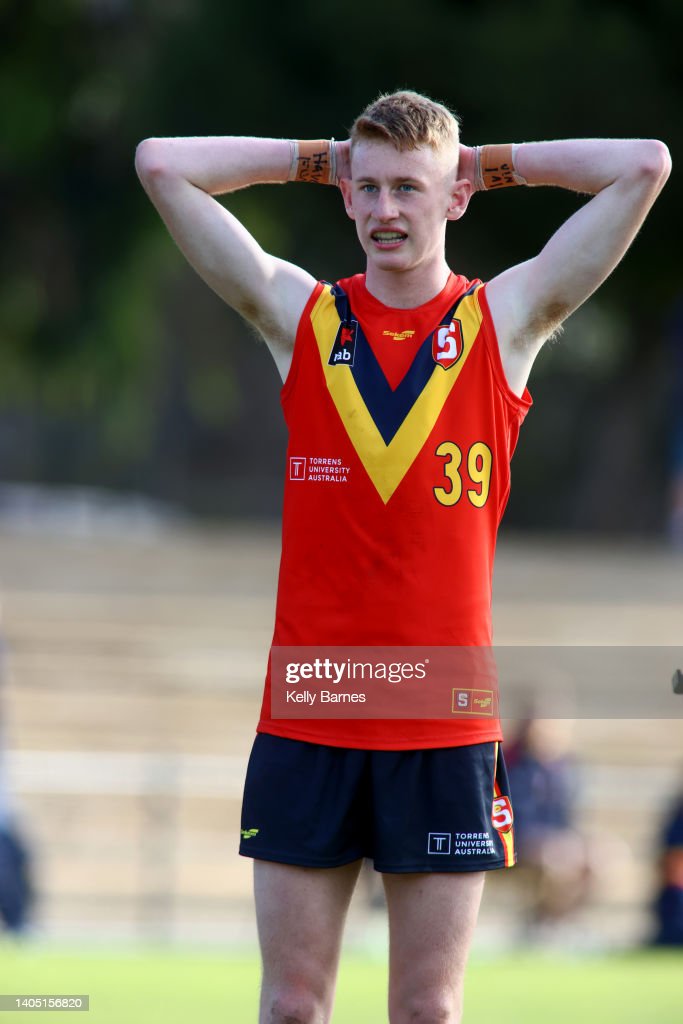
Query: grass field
x=149, y=987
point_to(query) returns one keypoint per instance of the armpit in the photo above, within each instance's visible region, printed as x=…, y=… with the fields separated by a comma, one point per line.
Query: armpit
x=544, y=326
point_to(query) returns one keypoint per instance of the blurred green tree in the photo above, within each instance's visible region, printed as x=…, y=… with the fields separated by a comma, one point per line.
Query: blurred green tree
x=118, y=367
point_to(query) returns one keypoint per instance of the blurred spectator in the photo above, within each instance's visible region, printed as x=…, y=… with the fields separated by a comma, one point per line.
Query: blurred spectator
x=552, y=855
x=15, y=885
x=668, y=906
x=16, y=891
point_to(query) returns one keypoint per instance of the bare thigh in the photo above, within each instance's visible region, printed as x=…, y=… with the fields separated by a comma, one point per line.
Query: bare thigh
x=300, y=914
x=431, y=923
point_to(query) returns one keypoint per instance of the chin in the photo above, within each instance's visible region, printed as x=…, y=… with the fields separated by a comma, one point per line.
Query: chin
x=395, y=261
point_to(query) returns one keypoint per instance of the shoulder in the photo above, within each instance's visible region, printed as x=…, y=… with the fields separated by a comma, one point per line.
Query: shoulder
x=353, y=287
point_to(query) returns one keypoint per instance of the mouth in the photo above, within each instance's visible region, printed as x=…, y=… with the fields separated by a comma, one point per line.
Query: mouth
x=388, y=239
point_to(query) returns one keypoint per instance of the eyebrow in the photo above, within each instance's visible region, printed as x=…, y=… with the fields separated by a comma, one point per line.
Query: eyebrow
x=403, y=180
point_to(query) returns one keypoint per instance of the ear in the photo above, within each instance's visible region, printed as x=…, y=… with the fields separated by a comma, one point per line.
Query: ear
x=346, y=191
x=461, y=194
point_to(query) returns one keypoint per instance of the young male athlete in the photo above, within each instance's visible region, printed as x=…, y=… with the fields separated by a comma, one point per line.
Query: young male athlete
x=404, y=390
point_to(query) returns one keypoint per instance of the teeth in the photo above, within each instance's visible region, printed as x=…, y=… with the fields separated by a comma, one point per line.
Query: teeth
x=388, y=236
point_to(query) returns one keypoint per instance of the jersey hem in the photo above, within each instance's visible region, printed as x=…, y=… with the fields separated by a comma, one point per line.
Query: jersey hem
x=410, y=743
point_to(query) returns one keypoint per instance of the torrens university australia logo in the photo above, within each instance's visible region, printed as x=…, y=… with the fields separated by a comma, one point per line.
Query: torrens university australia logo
x=439, y=842
x=318, y=469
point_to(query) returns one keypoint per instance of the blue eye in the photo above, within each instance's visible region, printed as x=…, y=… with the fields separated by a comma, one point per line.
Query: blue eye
x=406, y=187
x=368, y=188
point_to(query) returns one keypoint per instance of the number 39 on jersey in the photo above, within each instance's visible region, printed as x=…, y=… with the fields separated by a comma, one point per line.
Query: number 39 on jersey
x=470, y=473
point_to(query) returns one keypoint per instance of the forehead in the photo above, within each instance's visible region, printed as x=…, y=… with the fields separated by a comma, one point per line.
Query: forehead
x=379, y=160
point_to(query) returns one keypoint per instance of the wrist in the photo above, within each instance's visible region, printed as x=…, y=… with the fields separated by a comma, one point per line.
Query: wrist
x=467, y=164
x=313, y=161
x=495, y=167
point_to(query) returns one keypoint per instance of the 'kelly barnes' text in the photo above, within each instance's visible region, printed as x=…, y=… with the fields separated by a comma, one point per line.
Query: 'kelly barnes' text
x=324, y=696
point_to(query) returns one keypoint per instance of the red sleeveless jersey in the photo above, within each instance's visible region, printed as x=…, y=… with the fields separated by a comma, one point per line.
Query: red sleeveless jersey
x=401, y=429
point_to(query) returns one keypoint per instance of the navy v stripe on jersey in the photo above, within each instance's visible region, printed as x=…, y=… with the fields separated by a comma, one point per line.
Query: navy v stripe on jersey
x=389, y=407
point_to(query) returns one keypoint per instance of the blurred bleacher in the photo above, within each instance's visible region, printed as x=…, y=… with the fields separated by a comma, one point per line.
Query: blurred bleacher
x=135, y=658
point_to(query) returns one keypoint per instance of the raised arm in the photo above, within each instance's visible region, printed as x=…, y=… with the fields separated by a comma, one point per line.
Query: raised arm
x=530, y=301
x=181, y=177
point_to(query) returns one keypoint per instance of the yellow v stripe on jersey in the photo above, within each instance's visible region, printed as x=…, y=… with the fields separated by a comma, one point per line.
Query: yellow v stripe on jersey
x=387, y=455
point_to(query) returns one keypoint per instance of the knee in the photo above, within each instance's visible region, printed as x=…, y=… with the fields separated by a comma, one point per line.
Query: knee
x=432, y=1009
x=292, y=1006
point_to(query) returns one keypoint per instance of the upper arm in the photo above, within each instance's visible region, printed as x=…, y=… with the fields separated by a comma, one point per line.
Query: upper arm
x=268, y=292
x=530, y=301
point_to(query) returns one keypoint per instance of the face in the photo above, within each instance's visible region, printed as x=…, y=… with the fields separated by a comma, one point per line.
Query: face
x=400, y=202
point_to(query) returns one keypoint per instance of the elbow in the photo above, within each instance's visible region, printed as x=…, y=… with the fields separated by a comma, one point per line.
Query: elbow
x=654, y=161
x=150, y=163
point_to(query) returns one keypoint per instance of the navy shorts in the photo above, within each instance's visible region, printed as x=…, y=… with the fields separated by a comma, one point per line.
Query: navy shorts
x=444, y=809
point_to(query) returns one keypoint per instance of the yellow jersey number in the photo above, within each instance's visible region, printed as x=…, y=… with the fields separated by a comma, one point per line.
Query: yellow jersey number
x=479, y=463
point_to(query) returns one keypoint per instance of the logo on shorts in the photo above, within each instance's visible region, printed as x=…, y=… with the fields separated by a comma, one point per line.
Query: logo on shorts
x=344, y=348
x=447, y=344
x=438, y=842
x=501, y=813
x=249, y=833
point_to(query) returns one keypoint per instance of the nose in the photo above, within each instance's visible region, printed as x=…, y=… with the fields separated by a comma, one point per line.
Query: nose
x=385, y=205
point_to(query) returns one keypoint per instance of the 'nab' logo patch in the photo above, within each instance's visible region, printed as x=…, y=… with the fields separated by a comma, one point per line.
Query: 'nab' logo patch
x=344, y=348
x=447, y=344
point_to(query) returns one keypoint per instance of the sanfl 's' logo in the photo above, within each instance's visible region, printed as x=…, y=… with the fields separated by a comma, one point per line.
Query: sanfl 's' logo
x=447, y=344
x=501, y=814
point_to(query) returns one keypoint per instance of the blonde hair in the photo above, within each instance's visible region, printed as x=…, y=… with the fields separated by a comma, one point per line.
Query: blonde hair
x=407, y=120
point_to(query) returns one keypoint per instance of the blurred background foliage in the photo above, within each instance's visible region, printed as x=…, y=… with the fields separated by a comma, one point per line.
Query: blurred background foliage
x=119, y=368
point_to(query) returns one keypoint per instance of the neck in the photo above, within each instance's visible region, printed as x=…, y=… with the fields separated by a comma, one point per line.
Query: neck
x=406, y=289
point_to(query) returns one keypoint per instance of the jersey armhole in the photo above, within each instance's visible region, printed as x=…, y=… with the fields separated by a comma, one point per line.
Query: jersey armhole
x=520, y=405
x=288, y=384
